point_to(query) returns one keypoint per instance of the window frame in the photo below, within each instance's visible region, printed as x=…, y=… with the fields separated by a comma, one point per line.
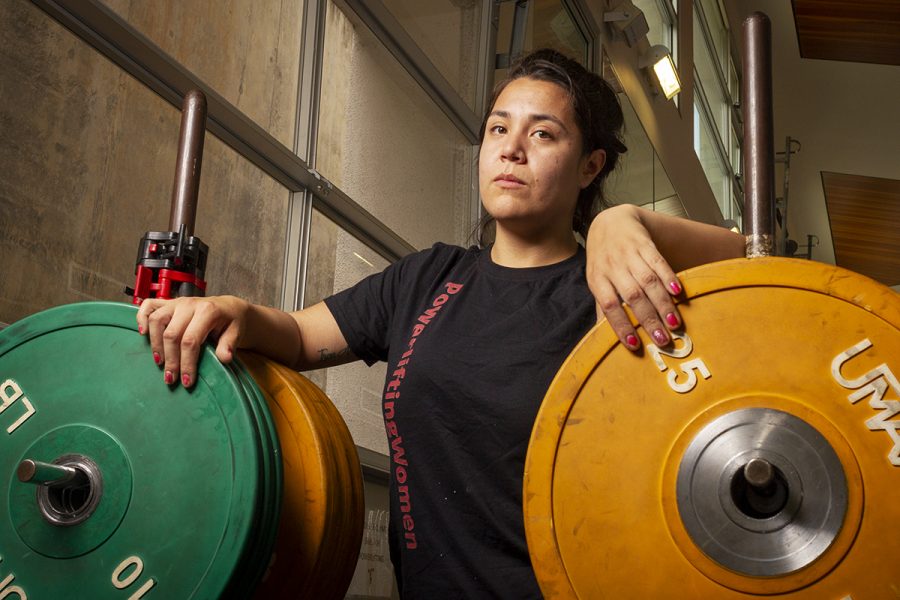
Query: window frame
x=728, y=81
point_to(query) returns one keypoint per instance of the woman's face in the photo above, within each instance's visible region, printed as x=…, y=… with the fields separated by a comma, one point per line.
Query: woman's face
x=531, y=167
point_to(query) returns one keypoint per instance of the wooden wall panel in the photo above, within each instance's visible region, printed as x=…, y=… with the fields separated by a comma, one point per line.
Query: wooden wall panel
x=858, y=31
x=865, y=224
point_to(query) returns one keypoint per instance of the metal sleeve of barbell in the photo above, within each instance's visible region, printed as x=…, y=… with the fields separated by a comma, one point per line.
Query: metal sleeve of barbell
x=190, y=158
x=38, y=472
x=759, y=152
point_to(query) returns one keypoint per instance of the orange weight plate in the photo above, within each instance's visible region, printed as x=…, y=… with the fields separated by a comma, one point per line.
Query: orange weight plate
x=759, y=456
x=320, y=530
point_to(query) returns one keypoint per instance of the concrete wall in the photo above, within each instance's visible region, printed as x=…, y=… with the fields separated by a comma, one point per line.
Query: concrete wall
x=384, y=142
x=248, y=51
x=88, y=159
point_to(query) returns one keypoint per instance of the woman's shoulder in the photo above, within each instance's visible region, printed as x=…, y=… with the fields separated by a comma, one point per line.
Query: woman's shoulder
x=441, y=256
x=423, y=272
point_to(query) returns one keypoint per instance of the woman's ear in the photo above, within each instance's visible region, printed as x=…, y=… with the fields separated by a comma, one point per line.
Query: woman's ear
x=591, y=165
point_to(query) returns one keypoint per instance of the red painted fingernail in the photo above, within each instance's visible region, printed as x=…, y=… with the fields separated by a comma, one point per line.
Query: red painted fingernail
x=157, y=358
x=169, y=378
x=631, y=340
x=671, y=319
x=141, y=329
x=675, y=287
x=660, y=337
x=186, y=380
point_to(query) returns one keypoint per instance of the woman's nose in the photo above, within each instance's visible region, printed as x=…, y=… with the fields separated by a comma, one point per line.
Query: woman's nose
x=512, y=149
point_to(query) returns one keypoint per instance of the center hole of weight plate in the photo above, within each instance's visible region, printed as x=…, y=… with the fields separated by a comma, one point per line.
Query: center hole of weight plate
x=759, y=489
x=70, y=499
x=68, y=489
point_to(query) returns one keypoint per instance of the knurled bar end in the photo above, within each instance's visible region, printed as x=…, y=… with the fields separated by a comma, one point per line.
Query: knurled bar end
x=759, y=244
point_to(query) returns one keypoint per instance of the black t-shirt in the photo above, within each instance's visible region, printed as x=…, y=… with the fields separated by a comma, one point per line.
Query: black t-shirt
x=471, y=348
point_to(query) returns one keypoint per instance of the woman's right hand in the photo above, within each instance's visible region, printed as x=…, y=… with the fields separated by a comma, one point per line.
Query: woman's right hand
x=178, y=328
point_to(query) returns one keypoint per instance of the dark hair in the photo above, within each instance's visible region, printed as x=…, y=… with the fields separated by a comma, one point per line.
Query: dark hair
x=597, y=113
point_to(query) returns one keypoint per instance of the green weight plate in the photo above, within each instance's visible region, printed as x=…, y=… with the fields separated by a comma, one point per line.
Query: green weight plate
x=181, y=470
x=259, y=552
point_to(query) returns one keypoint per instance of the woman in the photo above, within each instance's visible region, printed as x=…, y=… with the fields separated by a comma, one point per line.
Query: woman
x=473, y=336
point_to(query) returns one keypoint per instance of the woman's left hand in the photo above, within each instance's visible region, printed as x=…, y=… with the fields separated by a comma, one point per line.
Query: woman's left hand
x=632, y=256
x=624, y=264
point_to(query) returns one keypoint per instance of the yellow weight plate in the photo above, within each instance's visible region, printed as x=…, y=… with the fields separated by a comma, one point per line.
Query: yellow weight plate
x=320, y=530
x=637, y=482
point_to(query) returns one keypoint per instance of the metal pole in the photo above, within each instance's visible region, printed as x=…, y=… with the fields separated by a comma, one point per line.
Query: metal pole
x=759, y=153
x=187, y=167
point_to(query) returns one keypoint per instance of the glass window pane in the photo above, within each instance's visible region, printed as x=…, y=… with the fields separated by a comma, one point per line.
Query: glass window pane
x=710, y=83
x=552, y=26
x=259, y=71
x=665, y=199
x=386, y=144
x=734, y=82
x=548, y=25
x=736, y=156
x=639, y=178
x=715, y=21
x=88, y=169
x=632, y=180
x=373, y=578
x=337, y=261
x=242, y=214
x=737, y=212
x=662, y=185
x=711, y=159
x=670, y=205
x=448, y=32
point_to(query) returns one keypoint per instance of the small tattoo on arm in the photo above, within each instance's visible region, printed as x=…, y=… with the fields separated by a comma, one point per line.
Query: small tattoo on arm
x=326, y=355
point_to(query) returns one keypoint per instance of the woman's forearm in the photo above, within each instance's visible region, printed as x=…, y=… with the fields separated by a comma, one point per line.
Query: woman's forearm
x=686, y=244
x=272, y=333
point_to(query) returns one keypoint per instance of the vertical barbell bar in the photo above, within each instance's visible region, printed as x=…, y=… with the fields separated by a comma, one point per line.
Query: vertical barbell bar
x=759, y=152
x=190, y=159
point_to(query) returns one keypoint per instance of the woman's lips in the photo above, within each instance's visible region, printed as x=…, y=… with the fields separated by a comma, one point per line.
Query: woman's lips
x=507, y=180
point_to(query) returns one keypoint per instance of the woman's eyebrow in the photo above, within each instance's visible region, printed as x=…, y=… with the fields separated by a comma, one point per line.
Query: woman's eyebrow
x=532, y=118
x=551, y=118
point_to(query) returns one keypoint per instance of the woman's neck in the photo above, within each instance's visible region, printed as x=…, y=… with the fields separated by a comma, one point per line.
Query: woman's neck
x=513, y=251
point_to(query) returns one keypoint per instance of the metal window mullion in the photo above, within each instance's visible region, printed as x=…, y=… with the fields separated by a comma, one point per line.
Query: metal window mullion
x=487, y=44
x=672, y=16
x=737, y=191
x=300, y=209
x=668, y=10
x=375, y=466
x=398, y=42
x=578, y=12
x=135, y=54
x=296, y=256
x=311, y=59
x=487, y=49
